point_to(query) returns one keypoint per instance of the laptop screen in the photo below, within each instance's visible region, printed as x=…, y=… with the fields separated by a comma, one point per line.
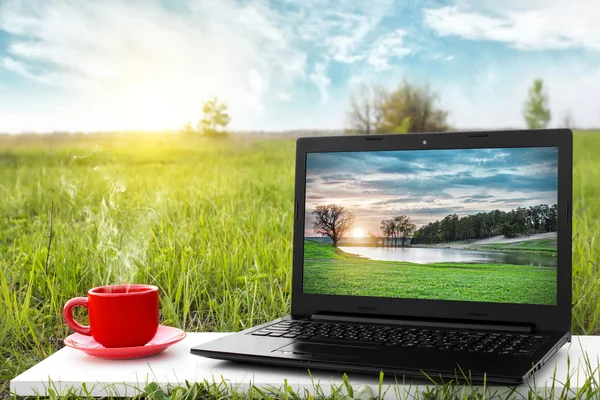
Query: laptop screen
x=474, y=225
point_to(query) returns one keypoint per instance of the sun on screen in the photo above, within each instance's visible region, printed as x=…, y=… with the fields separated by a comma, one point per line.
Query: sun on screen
x=358, y=232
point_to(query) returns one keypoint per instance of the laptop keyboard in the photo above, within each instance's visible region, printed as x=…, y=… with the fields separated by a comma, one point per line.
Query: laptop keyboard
x=450, y=340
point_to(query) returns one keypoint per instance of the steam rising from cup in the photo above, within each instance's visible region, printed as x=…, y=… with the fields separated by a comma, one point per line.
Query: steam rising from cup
x=121, y=233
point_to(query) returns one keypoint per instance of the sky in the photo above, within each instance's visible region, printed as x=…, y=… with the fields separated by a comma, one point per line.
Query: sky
x=285, y=65
x=427, y=185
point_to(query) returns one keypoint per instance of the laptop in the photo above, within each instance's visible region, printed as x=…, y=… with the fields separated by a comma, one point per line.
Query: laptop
x=445, y=255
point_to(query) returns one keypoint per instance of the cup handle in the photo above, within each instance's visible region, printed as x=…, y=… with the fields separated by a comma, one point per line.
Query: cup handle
x=68, y=315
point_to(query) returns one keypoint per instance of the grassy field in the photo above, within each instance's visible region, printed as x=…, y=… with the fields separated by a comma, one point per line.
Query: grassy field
x=526, y=246
x=328, y=271
x=209, y=222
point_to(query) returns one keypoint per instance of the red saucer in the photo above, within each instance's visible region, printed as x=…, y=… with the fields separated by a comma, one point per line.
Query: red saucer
x=165, y=337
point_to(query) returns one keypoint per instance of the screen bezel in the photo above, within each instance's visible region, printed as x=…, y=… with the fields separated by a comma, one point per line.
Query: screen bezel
x=546, y=317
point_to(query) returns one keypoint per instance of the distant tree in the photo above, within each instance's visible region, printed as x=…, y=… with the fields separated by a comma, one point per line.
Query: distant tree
x=448, y=228
x=215, y=118
x=518, y=218
x=398, y=225
x=365, y=114
x=404, y=228
x=187, y=128
x=428, y=234
x=509, y=230
x=520, y=221
x=373, y=238
x=567, y=119
x=412, y=108
x=552, y=220
x=388, y=228
x=537, y=112
x=332, y=221
x=396, y=230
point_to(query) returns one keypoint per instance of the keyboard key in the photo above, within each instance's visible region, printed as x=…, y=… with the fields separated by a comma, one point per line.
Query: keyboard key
x=303, y=336
x=472, y=341
x=276, y=329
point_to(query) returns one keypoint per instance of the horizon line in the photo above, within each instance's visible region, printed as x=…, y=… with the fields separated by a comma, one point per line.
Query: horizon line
x=254, y=131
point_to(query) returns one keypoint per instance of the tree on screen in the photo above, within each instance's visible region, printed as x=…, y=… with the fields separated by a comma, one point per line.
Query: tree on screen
x=332, y=221
x=388, y=228
x=404, y=228
x=397, y=230
x=373, y=238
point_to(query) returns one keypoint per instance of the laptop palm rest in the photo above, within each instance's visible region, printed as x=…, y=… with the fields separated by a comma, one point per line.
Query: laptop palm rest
x=318, y=349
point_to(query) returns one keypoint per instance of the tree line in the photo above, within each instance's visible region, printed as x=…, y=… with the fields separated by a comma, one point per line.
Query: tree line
x=413, y=108
x=521, y=221
x=375, y=109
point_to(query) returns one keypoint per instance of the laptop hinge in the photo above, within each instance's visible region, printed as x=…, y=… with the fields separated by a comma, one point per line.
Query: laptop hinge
x=429, y=323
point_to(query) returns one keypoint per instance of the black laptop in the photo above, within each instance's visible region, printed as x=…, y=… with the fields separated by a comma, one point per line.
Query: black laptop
x=444, y=254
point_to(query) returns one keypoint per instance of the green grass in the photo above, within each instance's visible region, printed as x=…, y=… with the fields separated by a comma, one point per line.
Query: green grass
x=209, y=222
x=526, y=246
x=444, y=281
x=317, y=250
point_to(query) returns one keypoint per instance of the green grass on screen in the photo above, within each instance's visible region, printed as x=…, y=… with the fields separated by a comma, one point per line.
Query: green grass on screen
x=331, y=271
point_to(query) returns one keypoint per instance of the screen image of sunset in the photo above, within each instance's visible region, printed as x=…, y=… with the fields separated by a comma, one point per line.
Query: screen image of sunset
x=377, y=223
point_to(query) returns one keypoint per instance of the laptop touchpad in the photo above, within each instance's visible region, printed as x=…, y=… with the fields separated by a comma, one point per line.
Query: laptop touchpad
x=319, y=349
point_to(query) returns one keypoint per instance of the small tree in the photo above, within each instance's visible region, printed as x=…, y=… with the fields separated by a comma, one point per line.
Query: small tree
x=366, y=112
x=536, y=111
x=373, y=238
x=567, y=119
x=215, y=118
x=332, y=221
x=187, y=129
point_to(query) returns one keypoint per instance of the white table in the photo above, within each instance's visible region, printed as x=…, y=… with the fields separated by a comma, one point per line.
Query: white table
x=69, y=368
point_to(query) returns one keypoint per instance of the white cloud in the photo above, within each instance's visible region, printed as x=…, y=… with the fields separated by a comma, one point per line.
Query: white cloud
x=321, y=80
x=55, y=79
x=144, y=66
x=16, y=66
x=343, y=28
x=495, y=98
x=348, y=48
x=537, y=25
x=386, y=47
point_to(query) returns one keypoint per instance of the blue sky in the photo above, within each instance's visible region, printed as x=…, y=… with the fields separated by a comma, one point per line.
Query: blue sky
x=119, y=64
x=427, y=185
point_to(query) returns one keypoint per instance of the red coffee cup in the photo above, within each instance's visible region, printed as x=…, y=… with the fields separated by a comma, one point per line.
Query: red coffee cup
x=120, y=315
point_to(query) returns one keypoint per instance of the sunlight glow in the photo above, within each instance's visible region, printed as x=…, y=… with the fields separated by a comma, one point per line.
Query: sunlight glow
x=358, y=232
